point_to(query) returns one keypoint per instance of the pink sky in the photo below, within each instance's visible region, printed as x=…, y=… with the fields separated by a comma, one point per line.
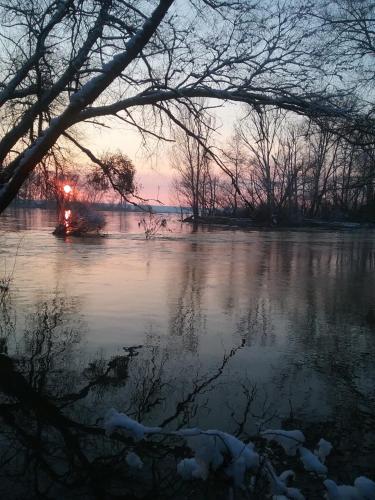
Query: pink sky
x=153, y=169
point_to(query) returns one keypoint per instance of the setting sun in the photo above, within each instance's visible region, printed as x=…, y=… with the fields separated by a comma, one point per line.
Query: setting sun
x=67, y=189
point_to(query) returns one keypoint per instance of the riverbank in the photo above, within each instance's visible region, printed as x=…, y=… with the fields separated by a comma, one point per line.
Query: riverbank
x=248, y=223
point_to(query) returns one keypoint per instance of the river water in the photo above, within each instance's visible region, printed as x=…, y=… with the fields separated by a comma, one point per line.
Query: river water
x=295, y=310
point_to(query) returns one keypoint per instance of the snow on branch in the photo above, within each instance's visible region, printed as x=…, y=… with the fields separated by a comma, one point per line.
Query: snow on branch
x=215, y=450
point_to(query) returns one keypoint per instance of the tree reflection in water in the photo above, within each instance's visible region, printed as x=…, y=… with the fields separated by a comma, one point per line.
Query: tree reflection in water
x=53, y=399
x=52, y=402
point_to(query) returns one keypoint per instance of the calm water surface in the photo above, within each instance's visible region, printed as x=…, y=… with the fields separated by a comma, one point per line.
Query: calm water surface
x=299, y=306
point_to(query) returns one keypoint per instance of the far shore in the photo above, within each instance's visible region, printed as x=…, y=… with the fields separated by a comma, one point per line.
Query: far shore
x=216, y=220
x=306, y=223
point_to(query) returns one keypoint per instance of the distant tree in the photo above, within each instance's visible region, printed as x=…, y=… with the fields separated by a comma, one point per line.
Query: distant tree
x=292, y=168
x=191, y=161
x=235, y=159
x=112, y=172
x=96, y=185
x=118, y=170
x=260, y=134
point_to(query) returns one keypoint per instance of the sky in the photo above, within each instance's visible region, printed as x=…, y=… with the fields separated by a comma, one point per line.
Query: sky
x=154, y=172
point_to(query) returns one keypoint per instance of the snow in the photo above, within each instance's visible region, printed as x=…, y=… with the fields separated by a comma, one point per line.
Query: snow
x=115, y=420
x=366, y=487
x=82, y=94
x=293, y=493
x=211, y=446
x=289, y=440
x=133, y=460
x=311, y=462
x=363, y=489
x=279, y=488
x=323, y=450
x=54, y=122
x=206, y=449
x=286, y=475
x=191, y=468
x=116, y=62
x=342, y=492
x=30, y=150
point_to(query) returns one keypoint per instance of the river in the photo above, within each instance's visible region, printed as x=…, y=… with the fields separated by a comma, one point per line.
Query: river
x=292, y=313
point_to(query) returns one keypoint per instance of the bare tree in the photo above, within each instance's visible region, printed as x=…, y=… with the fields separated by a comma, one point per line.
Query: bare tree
x=295, y=168
x=67, y=62
x=235, y=160
x=351, y=26
x=191, y=162
x=96, y=185
x=260, y=133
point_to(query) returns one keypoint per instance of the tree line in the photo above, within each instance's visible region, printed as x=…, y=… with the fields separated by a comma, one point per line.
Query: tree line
x=276, y=168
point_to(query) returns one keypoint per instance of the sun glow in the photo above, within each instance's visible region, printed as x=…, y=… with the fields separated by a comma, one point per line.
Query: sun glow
x=67, y=189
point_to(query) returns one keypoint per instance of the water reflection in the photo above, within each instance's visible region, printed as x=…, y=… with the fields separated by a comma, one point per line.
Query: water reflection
x=187, y=319
x=53, y=397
